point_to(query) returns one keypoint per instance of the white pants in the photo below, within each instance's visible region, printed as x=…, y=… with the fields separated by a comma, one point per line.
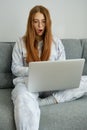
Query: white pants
x=26, y=104
x=26, y=108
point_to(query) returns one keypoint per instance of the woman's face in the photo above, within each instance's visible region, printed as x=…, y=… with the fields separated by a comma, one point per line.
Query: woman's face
x=39, y=22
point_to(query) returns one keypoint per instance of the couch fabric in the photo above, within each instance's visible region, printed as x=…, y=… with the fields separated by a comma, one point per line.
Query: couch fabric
x=63, y=116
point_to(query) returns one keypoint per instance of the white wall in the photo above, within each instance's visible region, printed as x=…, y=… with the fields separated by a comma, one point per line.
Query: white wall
x=69, y=17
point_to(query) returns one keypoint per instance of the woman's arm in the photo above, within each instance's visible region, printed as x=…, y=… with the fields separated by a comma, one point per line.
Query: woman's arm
x=18, y=69
x=61, y=51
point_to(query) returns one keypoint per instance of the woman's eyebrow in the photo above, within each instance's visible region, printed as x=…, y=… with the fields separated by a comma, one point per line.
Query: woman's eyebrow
x=38, y=19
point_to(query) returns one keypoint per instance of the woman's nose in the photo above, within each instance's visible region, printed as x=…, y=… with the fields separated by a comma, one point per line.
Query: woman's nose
x=40, y=24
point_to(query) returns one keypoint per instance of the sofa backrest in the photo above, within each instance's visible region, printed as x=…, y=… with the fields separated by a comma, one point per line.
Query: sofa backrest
x=84, y=54
x=74, y=48
x=5, y=64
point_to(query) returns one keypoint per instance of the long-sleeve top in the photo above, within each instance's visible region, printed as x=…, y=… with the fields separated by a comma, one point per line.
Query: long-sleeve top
x=19, y=66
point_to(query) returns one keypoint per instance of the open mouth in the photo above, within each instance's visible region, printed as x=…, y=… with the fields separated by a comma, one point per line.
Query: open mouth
x=40, y=30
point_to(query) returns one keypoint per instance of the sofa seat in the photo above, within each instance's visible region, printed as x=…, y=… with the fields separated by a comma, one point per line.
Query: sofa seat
x=65, y=116
x=6, y=110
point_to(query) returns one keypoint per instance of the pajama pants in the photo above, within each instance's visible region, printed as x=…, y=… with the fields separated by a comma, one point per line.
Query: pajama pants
x=26, y=104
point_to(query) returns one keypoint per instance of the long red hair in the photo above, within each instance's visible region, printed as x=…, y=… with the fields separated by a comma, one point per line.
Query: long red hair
x=29, y=37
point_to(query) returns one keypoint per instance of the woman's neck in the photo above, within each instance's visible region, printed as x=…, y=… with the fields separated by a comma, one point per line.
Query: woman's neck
x=39, y=38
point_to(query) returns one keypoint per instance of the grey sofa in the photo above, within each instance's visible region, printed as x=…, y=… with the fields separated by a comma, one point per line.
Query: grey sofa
x=63, y=116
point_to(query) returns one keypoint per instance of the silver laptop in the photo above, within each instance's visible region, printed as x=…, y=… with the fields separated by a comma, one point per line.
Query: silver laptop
x=55, y=75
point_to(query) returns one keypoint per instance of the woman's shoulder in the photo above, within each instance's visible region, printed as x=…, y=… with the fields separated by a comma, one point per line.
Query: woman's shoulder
x=19, y=43
x=56, y=40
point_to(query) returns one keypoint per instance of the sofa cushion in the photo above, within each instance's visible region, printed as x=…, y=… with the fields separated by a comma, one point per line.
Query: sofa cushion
x=65, y=116
x=6, y=80
x=73, y=48
x=6, y=110
x=5, y=57
x=5, y=64
x=84, y=55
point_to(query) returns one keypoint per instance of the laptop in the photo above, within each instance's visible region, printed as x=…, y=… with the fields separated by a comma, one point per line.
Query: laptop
x=55, y=75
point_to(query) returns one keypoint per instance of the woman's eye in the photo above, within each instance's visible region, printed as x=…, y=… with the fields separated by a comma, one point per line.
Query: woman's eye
x=35, y=21
x=39, y=22
x=44, y=21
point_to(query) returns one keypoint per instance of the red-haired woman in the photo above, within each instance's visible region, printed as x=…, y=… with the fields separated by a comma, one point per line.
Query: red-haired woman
x=38, y=44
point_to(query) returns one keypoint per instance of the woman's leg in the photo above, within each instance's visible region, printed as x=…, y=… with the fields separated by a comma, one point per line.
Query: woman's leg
x=26, y=108
x=72, y=94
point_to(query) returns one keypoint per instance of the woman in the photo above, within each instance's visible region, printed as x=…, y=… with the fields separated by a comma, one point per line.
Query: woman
x=37, y=44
